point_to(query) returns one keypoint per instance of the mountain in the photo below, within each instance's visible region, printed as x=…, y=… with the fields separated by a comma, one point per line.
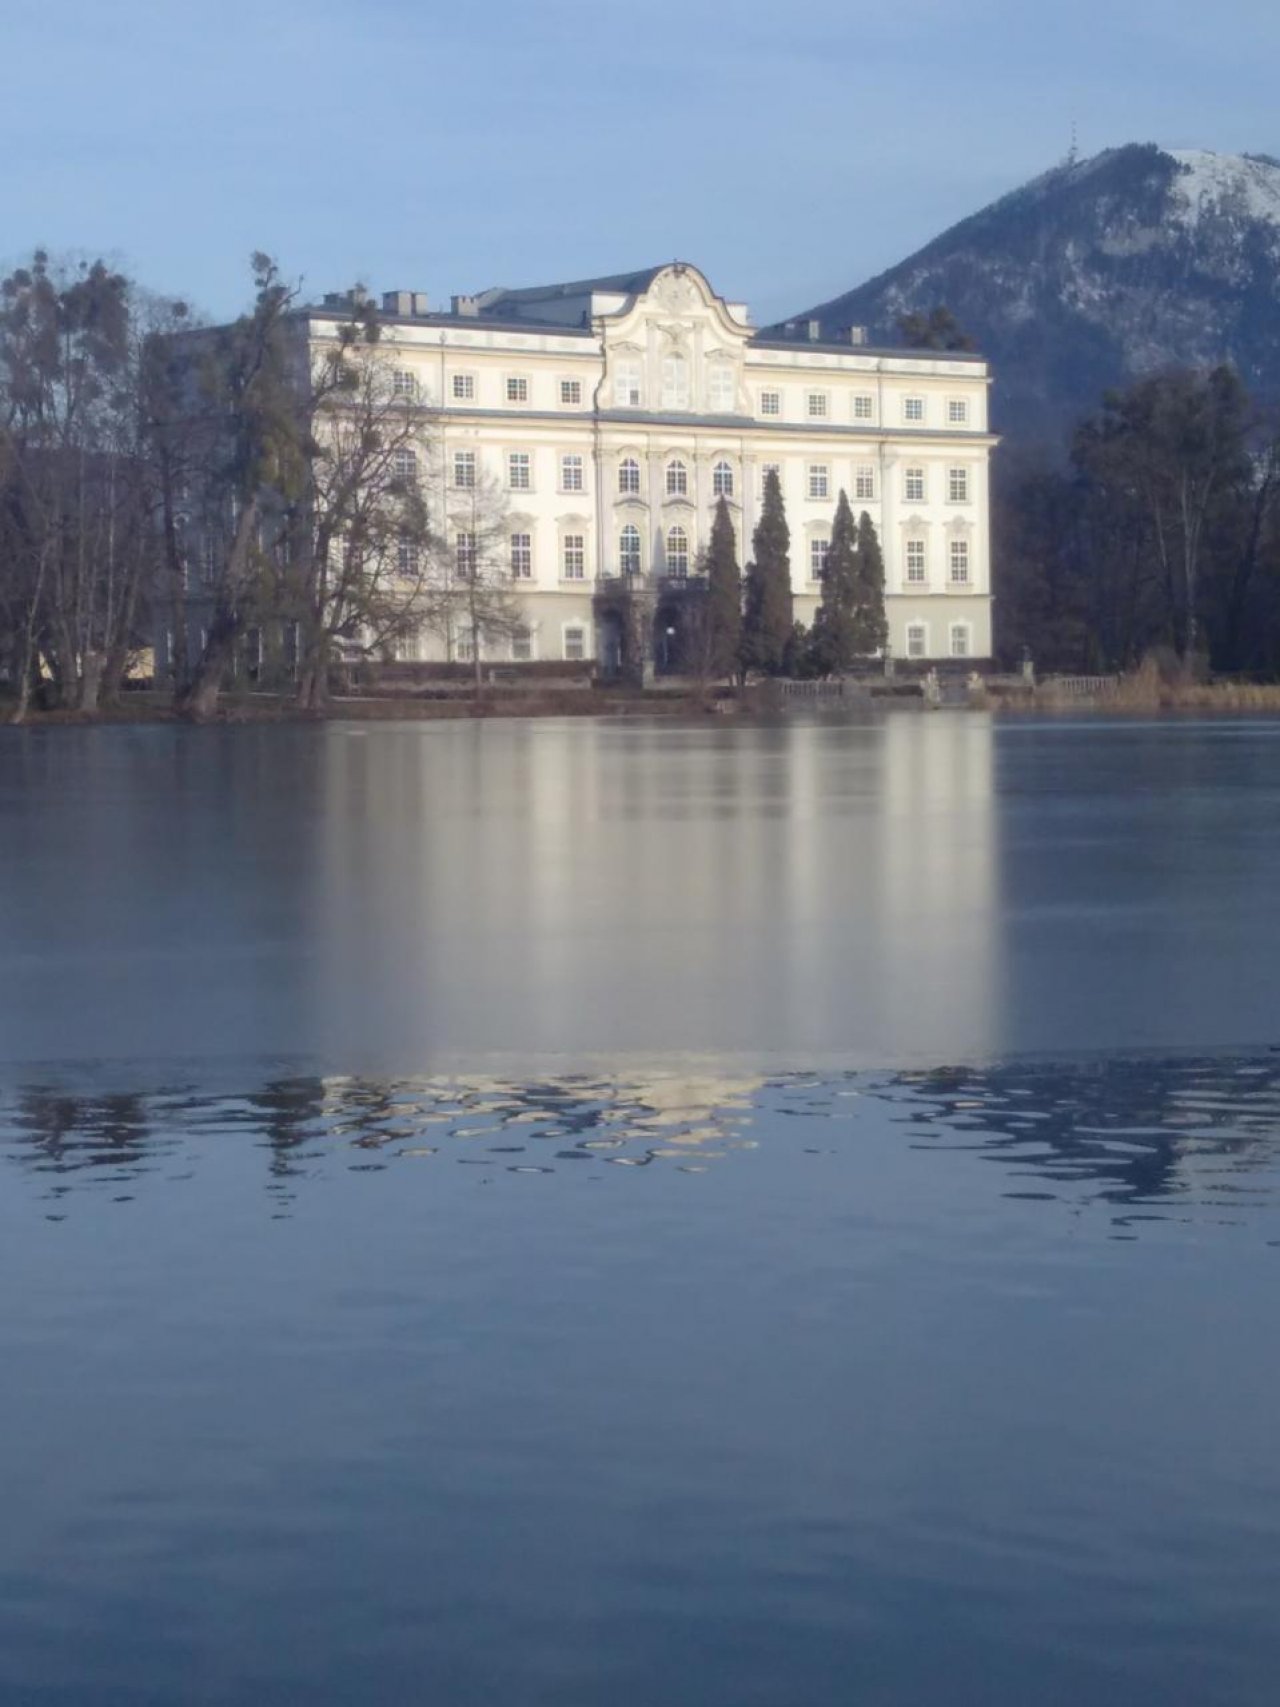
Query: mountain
x=1095, y=273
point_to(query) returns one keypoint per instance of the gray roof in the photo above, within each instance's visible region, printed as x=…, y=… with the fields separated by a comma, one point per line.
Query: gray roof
x=769, y=338
x=550, y=306
x=626, y=284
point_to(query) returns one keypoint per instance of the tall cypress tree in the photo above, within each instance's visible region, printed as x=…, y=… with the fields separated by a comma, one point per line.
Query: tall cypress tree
x=834, y=642
x=766, y=625
x=870, y=628
x=724, y=596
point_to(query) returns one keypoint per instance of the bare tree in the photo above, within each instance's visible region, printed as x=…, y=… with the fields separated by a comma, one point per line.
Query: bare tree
x=358, y=550
x=473, y=603
x=238, y=394
x=76, y=540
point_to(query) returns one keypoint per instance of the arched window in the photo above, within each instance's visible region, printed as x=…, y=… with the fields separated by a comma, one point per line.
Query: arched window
x=677, y=479
x=629, y=475
x=675, y=382
x=629, y=550
x=722, y=480
x=677, y=552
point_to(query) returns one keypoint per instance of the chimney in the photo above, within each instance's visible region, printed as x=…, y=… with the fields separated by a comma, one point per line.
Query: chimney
x=857, y=334
x=467, y=306
x=420, y=303
x=398, y=302
x=815, y=330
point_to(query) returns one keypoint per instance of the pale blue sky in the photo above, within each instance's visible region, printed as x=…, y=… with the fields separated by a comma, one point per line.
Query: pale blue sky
x=791, y=151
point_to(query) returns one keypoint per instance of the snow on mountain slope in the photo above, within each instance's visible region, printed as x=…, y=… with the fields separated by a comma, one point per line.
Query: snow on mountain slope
x=1238, y=185
x=1098, y=271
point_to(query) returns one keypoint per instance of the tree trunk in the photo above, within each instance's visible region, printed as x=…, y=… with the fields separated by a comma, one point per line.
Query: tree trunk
x=27, y=672
x=90, y=685
x=313, y=683
x=198, y=700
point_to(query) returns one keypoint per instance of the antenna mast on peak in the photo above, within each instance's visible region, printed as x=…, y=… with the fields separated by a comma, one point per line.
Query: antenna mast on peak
x=1073, y=153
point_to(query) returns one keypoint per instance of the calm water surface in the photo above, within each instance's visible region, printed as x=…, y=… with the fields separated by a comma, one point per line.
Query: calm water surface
x=705, y=1214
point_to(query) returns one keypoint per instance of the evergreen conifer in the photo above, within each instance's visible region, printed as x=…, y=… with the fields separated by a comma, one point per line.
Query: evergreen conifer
x=724, y=596
x=834, y=641
x=870, y=629
x=766, y=625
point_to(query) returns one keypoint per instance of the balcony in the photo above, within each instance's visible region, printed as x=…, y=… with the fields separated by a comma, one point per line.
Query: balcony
x=616, y=582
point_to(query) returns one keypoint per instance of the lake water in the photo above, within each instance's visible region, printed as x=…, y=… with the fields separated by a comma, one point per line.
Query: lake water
x=640, y=1212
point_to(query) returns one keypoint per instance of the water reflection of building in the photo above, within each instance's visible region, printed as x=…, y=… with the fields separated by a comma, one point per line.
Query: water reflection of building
x=1126, y=1132
x=540, y=894
x=646, y=1114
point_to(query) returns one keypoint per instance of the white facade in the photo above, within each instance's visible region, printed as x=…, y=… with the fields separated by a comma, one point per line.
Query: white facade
x=615, y=412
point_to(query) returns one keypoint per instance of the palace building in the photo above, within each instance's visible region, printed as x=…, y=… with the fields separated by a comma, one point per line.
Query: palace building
x=613, y=413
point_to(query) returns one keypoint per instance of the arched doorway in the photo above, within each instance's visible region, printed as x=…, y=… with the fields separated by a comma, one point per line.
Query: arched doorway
x=610, y=644
x=669, y=638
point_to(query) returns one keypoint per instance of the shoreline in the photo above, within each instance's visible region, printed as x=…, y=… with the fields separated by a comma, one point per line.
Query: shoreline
x=1127, y=700
x=266, y=709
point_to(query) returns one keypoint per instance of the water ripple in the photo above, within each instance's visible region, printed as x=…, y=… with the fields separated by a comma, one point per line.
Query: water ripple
x=1144, y=1138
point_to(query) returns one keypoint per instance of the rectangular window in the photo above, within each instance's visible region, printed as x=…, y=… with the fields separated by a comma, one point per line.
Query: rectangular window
x=913, y=408
x=864, y=481
x=958, y=411
x=958, y=485
x=466, y=645
x=574, y=557
x=571, y=474
x=464, y=553
x=626, y=385
x=518, y=478
x=675, y=382
x=464, y=469
x=721, y=389
x=517, y=388
x=959, y=562
x=819, y=480
x=959, y=640
x=571, y=392
x=916, y=573
x=403, y=383
x=464, y=387
x=407, y=558
x=522, y=646
x=863, y=406
x=575, y=643
x=771, y=403
x=405, y=464
x=818, y=549
x=913, y=485
x=816, y=405
x=916, y=640
x=521, y=556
